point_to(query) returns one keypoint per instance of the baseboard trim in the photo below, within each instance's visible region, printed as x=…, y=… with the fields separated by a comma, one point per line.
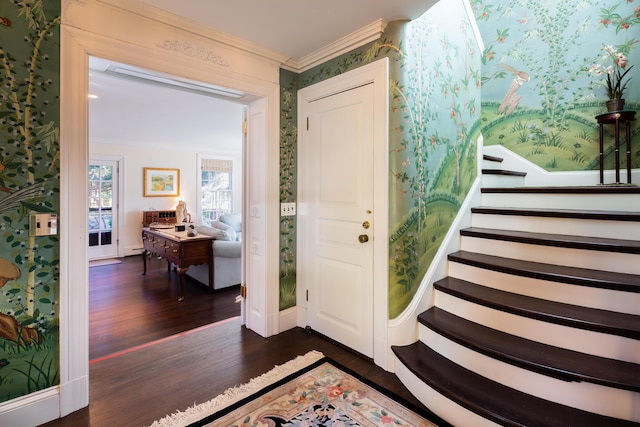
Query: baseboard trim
x=31, y=410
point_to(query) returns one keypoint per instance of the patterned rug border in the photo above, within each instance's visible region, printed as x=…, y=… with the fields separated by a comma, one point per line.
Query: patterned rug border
x=233, y=398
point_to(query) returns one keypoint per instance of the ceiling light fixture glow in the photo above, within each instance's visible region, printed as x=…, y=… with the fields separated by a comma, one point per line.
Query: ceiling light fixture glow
x=176, y=83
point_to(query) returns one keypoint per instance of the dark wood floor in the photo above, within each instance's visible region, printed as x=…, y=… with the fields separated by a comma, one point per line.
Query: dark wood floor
x=127, y=309
x=134, y=388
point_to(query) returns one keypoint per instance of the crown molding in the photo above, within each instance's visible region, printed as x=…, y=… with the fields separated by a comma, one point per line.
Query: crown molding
x=352, y=41
x=200, y=30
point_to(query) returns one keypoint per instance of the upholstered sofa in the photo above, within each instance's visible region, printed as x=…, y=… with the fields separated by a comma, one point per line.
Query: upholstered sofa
x=227, y=249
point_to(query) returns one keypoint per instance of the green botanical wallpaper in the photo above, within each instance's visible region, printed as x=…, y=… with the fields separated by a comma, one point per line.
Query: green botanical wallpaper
x=434, y=107
x=539, y=98
x=29, y=182
x=288, y=186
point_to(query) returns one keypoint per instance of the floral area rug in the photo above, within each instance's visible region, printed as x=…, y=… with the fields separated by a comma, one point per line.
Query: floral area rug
x=322, y=393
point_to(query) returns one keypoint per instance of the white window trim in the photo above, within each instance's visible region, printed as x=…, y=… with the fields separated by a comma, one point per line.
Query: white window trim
x=236, y=177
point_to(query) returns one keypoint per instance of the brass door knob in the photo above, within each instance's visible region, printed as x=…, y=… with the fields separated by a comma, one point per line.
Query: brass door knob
x=363, y=238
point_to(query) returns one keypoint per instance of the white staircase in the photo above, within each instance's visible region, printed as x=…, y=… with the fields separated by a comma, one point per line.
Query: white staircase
x=538, y=321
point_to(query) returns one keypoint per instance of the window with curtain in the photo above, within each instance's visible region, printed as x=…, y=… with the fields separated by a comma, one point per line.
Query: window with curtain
x=216, y=188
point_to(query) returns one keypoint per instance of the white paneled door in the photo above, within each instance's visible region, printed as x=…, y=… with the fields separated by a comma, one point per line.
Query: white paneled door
x=103, y=209
x=336, y=216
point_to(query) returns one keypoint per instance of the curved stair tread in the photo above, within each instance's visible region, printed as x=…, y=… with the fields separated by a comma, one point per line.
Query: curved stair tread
x=608, y=322
x=556, y=240
x=503, y=172
x=560, y=213
x=492, y=158
x=491, y=400
x=551, y=272
x=556, y=362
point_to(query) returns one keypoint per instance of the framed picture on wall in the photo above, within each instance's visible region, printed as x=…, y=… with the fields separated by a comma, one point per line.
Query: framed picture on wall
x=161, y=182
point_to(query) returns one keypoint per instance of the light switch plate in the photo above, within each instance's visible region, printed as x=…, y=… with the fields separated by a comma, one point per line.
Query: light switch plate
x=288, y=209
x=43, y=224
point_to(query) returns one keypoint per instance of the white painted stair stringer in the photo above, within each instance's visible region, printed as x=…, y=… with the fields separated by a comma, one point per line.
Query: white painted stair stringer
x=604, y=299
x=587, y=396
x=568, y=226
x=611, y=202
x=440, y=405
x=569, y=257
x=585, y=341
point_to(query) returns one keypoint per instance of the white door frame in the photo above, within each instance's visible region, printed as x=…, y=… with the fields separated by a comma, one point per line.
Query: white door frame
x=119, y=160
x=76, y=47
x=376, y=73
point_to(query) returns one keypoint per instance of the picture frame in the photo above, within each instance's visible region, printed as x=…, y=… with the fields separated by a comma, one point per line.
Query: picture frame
x=161, y=182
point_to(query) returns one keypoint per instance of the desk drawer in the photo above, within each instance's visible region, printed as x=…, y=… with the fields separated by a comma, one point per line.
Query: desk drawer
x=172, y=252
x=153, y=244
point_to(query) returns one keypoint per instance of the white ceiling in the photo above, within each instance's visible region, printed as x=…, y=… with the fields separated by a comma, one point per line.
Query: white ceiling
x=294, y=28
x=130, y=112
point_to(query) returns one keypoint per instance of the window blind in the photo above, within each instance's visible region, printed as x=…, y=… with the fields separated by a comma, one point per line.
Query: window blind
x=217, y=165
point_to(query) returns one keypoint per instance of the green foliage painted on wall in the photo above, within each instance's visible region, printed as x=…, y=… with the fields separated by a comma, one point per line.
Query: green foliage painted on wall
x=538, y=98
x=435, y=105
x=288, y=186
x=29, y=182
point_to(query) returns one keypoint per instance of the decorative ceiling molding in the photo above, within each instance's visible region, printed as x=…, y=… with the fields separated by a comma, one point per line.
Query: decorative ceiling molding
x=193, y=51
x=348, y=43
x=200, y=30
x=352, y=41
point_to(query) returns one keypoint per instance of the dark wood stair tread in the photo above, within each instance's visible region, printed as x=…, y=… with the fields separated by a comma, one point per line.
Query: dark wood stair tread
x=556, y=362
x=556, y=240
x=604, y=321
x=492, y=158
x=491, y=400
x=503, y=172
x=594, y=189
x=561, y=213
x=551, y=272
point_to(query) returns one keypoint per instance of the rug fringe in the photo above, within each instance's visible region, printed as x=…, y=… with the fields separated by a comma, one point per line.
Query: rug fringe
x=235, y=394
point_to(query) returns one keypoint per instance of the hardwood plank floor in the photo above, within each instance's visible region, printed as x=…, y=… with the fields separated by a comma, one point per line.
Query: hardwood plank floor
x=127, y=309
x=136, y=387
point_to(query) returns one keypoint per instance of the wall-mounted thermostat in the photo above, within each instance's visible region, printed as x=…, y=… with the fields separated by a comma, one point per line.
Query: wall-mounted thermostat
x=43, y=224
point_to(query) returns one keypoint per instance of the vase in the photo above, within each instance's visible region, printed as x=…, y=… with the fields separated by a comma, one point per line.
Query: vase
x=615, y=104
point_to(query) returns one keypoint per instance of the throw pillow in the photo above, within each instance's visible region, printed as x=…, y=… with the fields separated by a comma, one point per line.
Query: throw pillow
x=226, y=228
x=234, y=220
x=213, y=232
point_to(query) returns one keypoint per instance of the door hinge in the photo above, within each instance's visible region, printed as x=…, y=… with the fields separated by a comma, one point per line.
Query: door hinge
x=244, y=127
x=307, y=123
x=243, y=291
x=307, y=295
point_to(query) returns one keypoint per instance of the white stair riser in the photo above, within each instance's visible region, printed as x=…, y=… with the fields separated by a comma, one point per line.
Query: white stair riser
x=446, y=409
x=590, y=397
x=611, y=202
x=566, y=226
x=488, y=164
x=502, y=181
x=599, y=344
x=582, y=258
x=604, y=299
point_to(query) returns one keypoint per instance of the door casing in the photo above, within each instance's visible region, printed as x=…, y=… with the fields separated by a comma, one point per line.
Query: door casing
x=131, y=46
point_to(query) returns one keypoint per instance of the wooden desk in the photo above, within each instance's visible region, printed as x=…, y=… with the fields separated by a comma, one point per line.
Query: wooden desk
x=178, y=249
x=616, y=118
